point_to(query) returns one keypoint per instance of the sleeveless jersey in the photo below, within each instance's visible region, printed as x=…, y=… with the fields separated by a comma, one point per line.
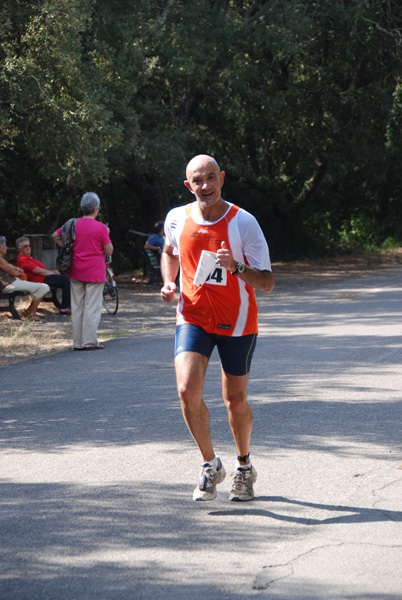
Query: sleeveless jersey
x=224, y=304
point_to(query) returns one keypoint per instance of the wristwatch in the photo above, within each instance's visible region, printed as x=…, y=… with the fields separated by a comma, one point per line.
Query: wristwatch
x=239, y=269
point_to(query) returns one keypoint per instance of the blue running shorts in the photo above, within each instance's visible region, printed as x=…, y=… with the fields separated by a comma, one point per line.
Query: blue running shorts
x=235, y=352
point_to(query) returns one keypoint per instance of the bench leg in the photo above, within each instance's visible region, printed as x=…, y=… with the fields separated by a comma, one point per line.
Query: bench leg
x=14, y=312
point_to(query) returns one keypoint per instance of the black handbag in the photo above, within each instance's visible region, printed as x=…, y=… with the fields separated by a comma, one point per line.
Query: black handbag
x=63, y=261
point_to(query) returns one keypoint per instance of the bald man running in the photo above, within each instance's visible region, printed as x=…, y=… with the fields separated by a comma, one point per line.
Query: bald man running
x=223, y=256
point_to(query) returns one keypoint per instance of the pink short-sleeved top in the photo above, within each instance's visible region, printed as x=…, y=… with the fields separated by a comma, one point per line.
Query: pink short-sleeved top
x=88, y=262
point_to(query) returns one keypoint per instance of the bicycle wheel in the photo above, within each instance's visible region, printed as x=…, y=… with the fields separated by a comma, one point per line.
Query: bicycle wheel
x=110, y=293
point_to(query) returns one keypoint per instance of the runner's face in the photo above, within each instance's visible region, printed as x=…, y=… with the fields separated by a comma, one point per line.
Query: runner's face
x=205, y=181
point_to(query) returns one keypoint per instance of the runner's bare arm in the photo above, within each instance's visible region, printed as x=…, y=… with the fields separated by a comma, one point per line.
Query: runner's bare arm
x=169, y=270
x=260, y=280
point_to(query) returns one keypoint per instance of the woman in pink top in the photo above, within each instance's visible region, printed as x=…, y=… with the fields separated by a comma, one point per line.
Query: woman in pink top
x=87, y=273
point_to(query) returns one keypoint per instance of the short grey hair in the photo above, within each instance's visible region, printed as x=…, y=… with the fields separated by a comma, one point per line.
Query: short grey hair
x=2, y=241
x=19, y=241
x=89, y=202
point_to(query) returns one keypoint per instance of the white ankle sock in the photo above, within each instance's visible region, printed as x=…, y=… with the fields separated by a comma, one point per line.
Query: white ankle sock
x=213, y=462
x=240, y=466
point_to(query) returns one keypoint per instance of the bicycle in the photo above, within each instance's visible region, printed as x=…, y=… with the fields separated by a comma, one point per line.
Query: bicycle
x=110, y=292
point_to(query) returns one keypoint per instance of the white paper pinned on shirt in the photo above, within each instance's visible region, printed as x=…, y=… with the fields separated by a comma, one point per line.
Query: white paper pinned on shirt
x=206, y=265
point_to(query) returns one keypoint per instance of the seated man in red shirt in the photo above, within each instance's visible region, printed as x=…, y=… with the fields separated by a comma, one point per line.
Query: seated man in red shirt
x=37, y=272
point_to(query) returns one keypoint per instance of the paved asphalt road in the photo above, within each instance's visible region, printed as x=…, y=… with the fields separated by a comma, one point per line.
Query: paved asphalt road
x=97, y=468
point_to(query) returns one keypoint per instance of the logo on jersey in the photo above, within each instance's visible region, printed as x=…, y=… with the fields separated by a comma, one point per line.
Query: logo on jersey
x=199, y=231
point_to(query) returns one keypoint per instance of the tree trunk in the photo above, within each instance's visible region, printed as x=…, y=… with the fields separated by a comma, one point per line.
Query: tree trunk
x=52, y=221
x=312, y=187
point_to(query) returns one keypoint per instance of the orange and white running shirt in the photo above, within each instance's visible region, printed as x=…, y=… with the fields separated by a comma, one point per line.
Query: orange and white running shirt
x=224, y=304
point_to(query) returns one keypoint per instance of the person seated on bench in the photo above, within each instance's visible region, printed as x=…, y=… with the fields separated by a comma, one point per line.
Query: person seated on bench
x=37, y=272
x=156, y=240
x=10, y=282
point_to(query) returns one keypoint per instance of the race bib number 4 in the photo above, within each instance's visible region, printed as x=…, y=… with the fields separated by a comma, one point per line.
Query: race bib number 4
x=218, y=276
x=208, y=271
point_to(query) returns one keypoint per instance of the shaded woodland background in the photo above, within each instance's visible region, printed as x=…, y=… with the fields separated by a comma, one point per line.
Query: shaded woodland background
x=299, y=101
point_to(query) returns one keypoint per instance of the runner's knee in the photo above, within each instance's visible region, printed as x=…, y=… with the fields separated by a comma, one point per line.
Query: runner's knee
x=236, y=402
x=189, y=396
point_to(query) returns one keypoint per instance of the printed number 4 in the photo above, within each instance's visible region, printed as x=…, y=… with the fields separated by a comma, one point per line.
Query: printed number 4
x=217, y=277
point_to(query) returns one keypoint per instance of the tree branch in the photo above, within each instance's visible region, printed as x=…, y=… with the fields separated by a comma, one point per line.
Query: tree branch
x=49, y=99
x=395, y=33
x=161, y=20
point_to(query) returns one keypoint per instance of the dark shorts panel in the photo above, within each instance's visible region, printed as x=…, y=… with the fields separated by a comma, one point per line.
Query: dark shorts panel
x=235, y=352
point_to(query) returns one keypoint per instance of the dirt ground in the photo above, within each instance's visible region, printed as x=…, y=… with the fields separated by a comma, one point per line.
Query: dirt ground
x=140, y=307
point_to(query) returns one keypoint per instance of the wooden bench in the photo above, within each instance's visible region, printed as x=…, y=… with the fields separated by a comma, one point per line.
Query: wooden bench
x=10, y=307
x=152, y=265
x=11, y=303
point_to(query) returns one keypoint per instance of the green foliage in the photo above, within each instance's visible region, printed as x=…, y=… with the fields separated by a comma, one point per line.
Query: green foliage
x=67, y=127
x=357, y=234
x=299, y=101
x=391, y=243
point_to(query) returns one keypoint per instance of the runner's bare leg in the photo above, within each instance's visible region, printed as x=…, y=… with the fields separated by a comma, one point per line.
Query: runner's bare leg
x=190, y=373
x=234, y=390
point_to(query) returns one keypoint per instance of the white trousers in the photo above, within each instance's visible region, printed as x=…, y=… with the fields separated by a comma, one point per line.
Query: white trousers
x=32, y=287
x=86, y=309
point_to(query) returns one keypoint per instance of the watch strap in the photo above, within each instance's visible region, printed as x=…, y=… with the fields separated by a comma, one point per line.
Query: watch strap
x=239, y=269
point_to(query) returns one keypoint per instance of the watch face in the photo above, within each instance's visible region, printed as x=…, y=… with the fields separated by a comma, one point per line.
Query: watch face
x=239, y=269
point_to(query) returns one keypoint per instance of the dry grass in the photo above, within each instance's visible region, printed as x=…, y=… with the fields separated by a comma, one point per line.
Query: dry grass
x=141, y=307
x=20, y=340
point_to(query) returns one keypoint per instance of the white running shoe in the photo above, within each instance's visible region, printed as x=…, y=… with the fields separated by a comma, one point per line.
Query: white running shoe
x=242, y=488
x=209, y=477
